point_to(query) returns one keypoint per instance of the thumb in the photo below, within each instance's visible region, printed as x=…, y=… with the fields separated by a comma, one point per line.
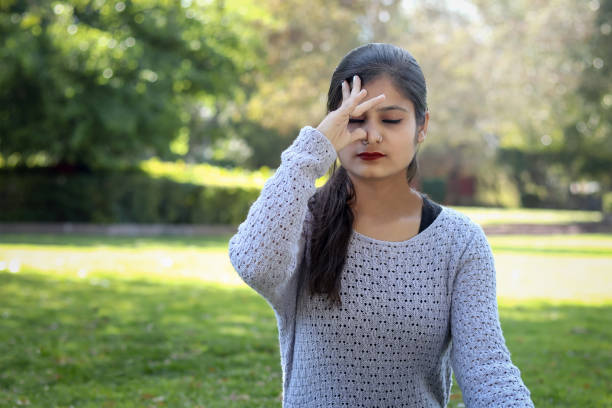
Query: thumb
x=357, y=134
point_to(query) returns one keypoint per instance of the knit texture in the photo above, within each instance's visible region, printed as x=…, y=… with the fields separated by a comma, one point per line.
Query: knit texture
x=411, y=311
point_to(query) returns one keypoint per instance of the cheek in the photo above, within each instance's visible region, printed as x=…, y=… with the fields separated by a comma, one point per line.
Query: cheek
x=344, y=153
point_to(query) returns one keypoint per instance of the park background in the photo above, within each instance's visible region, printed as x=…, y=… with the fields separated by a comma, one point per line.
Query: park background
x=134, y=136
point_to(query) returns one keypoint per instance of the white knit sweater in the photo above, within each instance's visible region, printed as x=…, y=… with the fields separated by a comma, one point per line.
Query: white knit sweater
x=411, y=310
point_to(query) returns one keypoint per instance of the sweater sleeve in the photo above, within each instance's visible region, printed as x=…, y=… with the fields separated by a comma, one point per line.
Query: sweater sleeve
x=266, y=249
x=479, y=356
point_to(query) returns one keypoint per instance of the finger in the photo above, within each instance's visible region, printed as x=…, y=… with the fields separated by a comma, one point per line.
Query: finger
x=356, y=85
x=357, y=134
x=355, y=99
x=367, y=105
x=355, y=96
x=349, y=104
x=357, y=93
x=345, y=91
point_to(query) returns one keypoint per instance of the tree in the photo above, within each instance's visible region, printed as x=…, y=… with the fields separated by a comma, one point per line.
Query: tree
x=92, y=82
x=588, y=137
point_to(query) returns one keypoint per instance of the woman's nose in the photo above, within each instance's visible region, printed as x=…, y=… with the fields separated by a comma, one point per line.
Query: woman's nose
x=372, y=132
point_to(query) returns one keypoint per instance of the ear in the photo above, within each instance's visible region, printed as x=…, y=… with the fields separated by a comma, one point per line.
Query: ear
x=421, y=136
x=423, y=130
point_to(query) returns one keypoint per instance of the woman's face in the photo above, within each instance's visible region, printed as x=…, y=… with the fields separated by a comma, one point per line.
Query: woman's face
x=395, y=121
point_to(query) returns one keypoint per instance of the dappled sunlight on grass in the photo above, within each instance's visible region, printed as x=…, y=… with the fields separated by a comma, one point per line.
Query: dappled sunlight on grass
x=142, y=258
x=572, y=245
x=549, y=267
x=71, y=341
x=494, y=216
x=238, y=331
x=206, y=174
x=554, y=278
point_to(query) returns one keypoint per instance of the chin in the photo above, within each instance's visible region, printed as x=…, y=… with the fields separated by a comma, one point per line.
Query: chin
x=366, y=173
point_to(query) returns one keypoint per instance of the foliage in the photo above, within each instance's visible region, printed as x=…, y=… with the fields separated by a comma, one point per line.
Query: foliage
x=93, y=82
x=117, y=196
x=588, y=138
x=501, y=77
x=607, y=203
x=206, y=174
x=177, y=192
x=519, y=92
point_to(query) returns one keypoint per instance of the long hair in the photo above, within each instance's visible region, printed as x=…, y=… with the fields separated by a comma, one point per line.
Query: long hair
x=331, y=216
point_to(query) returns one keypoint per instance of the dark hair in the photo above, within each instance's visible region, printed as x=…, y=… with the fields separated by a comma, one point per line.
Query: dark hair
x=331, y=216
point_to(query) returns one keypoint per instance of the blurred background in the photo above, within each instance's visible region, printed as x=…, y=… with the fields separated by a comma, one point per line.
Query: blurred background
x=135, y=134
x=142, y=111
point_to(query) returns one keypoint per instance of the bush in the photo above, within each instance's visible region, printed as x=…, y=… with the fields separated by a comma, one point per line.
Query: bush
x=435, y=188
x=606, y=203
x=112, y=196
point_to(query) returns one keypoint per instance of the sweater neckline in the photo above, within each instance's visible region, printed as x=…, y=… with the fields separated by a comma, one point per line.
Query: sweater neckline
x=418, y=237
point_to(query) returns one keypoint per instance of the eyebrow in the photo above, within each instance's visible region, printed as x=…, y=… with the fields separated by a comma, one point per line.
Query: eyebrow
x=391, y=107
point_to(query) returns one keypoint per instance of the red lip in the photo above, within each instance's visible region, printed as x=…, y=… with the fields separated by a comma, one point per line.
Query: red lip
x=372, y=155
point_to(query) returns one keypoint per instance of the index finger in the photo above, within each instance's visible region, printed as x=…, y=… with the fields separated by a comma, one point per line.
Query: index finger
x=369, y=104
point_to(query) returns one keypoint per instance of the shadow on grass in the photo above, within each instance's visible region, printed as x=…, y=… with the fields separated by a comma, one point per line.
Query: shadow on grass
x=112, y=342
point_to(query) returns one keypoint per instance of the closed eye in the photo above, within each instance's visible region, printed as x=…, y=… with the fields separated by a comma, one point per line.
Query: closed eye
x=386, y=121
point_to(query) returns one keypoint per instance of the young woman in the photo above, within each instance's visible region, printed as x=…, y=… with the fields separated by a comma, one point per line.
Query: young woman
x=378, y=291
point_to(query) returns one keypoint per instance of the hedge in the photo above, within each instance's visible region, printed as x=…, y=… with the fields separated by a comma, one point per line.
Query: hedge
x=133, y=196
x=38, y=195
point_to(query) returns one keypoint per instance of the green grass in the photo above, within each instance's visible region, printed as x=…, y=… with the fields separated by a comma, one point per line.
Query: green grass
x=569, y=245
x=562, y=349
x=108, y=342
x=165, y=322
x=496, y=216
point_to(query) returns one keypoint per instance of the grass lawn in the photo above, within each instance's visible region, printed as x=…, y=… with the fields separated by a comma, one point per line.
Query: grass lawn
x=165, y=322
x=495, y=216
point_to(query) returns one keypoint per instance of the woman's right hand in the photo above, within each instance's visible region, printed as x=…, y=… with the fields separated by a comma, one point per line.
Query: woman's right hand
x=335, y=124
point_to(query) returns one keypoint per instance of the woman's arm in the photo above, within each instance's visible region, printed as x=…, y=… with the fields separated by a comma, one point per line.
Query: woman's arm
x=479, y=356
x=267, y=247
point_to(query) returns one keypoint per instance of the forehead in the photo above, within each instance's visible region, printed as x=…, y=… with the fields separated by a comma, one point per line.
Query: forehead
x=383, y=84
